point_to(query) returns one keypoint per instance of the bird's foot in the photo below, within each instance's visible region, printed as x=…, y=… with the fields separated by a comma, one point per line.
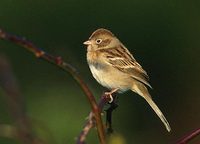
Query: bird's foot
x=109, y=94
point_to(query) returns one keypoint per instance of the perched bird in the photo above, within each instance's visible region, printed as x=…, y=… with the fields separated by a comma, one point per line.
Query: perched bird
x=115, y=68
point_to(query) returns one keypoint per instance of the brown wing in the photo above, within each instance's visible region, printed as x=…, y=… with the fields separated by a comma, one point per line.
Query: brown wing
x=130, y=67
x=121, y=58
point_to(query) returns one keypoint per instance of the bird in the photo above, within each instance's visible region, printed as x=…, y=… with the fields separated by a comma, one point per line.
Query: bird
x=115, y=68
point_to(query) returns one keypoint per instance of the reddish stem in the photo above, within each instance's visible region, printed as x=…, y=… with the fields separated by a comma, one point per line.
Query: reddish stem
x=90, y=121
x=64, y=66
x=189, y=137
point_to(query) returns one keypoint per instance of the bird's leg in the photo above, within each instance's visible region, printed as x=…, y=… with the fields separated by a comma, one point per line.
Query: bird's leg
x=109, y=111
x=110, y=94
x=111, y=99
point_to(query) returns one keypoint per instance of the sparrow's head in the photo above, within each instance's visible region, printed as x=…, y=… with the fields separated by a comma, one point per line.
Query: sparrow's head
x=101, y=39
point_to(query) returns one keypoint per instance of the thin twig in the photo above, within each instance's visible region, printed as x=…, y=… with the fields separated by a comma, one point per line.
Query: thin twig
x=89, y=124
x=90, y=121
x=39, y=53
x=189, y=137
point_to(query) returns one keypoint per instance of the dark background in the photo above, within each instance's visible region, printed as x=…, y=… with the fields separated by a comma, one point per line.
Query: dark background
x=164, y=37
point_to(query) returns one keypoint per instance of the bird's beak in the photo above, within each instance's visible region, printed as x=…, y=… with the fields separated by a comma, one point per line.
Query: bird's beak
x=87, y=42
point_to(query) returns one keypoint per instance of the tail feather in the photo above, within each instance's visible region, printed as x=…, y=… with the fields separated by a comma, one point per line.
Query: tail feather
x=158, y=112
x=145, y=94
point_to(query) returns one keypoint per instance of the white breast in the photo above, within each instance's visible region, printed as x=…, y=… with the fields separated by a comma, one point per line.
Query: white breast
x=97, y=74
x=109, y=77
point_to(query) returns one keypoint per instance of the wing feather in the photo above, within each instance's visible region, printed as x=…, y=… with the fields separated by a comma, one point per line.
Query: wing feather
x=121, y=59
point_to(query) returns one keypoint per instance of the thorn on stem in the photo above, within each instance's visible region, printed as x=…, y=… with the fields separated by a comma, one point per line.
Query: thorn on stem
x=59, y=60
x=38, y=54
x=2, y=34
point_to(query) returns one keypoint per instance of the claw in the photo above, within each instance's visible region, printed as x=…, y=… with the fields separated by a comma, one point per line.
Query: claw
x=111, y=99
x=110, y=94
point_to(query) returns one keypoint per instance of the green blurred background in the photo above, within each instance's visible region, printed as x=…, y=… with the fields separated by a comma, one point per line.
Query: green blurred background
x=164, y=37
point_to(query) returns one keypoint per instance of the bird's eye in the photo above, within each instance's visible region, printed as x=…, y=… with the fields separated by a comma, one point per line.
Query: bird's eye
x=98, y=41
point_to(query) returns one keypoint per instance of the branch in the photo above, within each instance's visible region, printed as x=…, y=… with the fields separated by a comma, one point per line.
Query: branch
x=39, y=53
x=91, y=123
x=189, y=137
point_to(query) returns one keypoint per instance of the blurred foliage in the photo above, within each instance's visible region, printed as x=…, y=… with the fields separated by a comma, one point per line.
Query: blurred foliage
x=116, y=139
x=162, y=35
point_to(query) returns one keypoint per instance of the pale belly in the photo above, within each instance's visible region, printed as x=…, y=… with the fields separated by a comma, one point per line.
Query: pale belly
x=111, y=78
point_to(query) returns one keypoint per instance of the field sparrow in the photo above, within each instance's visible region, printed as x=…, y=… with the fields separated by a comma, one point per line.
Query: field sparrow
x=115, y=68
